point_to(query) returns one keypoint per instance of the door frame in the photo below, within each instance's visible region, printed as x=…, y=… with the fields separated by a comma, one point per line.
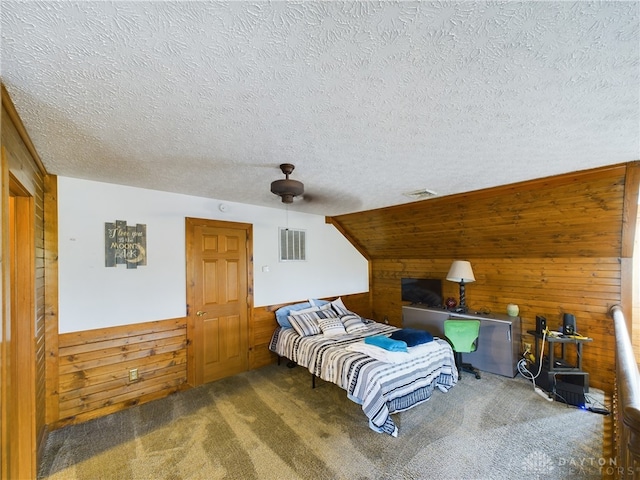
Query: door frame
x=17, y=358
x=190, y=282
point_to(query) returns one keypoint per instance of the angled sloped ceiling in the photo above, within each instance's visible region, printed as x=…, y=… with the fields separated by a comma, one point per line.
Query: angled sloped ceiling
x=568, y=215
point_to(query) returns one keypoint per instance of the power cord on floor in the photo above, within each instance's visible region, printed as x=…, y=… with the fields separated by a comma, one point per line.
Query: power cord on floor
x=526, y=373
x=603, y=410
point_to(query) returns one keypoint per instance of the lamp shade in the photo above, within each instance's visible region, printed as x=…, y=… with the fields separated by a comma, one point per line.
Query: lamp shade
x=461, y=271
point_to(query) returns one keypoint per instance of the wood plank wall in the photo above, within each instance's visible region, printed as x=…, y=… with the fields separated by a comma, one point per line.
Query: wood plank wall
x=51, y=298
x=539, y=286
x=564, y=216
x=94, y=368
x=263, y=324
x=25, y=168
x=551, y=246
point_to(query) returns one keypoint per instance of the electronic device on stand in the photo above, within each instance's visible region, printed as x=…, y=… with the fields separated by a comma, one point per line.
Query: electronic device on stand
x=560, y=376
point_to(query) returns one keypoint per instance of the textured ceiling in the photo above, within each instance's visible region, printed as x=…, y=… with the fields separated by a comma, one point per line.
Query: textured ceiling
x=368, y=99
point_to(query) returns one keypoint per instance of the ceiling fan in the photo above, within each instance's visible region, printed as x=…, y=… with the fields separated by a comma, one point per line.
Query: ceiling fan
x=287, y=188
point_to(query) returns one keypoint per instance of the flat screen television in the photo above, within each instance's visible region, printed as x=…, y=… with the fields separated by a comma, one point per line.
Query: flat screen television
x=425, y=291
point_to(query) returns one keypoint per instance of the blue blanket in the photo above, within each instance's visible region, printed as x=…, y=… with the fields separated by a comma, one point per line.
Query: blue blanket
x=412, y=337
x=387, y=343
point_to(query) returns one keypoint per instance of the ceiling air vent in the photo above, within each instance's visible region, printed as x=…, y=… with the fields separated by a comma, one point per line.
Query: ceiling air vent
x=420, y=194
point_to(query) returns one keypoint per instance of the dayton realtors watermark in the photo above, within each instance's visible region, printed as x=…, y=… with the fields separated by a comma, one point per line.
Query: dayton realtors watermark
x=541, y=465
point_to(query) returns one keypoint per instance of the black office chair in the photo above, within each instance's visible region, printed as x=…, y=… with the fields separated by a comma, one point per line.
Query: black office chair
x=463, y=337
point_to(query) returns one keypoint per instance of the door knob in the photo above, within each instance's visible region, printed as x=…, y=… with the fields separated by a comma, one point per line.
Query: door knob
x=200, y=313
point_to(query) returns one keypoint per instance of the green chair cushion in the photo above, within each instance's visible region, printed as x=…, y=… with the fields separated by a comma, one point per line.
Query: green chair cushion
x=462, y=334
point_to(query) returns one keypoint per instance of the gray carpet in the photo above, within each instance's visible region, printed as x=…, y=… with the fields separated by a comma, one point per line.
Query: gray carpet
x=270, y=424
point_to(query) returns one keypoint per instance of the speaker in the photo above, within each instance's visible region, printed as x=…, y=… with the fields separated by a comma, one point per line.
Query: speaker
x=541, y=324
x=568, y=324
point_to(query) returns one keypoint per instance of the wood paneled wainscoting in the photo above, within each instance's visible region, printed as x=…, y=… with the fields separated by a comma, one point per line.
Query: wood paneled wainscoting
x=94, y=368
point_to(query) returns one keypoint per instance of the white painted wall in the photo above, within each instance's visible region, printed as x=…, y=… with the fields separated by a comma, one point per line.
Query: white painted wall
x=94, y=296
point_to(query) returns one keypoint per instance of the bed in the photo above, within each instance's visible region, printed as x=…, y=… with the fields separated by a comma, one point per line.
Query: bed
x=381, y=380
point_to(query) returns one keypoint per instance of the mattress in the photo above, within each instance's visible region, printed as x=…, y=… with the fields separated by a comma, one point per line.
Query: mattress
x=382, y=386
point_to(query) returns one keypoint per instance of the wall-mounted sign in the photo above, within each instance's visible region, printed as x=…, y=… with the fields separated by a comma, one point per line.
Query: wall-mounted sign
x=124, y=244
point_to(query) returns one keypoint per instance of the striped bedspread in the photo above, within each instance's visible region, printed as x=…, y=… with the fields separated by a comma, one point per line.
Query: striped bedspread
x=380, y=388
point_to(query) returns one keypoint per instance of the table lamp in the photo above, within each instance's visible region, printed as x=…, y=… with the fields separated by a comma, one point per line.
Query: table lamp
x=462, y=273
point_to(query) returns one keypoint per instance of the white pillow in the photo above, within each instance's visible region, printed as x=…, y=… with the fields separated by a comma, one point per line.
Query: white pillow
x=317, y=302
x=332, y=327
x=321, y=308
x=306, y=310
x=339, y=307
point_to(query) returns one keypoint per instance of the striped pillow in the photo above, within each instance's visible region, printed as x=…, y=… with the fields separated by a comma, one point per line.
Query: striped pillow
x=332, y=327
x=338, y=306
x=326, y=312
x=352, y=323
x=307, y=324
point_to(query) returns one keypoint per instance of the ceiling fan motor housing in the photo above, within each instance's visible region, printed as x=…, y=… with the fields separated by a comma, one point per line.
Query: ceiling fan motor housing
x=287, y=189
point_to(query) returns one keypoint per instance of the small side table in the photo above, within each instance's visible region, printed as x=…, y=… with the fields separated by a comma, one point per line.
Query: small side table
x=559, y=366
